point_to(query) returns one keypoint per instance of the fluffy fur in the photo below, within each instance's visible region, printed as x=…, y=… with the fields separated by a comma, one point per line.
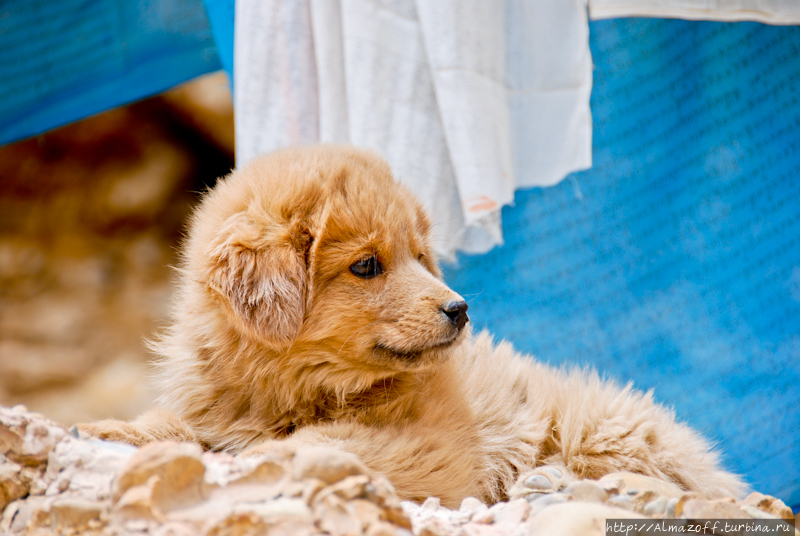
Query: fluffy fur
x=276, y=343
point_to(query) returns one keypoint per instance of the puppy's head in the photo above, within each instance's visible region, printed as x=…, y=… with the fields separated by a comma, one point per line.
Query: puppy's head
x=321, y=253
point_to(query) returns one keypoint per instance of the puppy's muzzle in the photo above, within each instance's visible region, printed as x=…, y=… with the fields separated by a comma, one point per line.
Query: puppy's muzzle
x=456, y=312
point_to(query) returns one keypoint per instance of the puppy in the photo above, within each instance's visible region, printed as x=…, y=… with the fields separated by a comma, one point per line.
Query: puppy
x=311, y=311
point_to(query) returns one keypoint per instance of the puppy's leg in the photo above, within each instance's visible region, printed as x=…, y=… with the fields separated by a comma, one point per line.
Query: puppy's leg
x=154, y=425
x=600, y=429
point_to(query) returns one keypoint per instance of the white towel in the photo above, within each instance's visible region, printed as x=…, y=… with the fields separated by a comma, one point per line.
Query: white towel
x=467, y=100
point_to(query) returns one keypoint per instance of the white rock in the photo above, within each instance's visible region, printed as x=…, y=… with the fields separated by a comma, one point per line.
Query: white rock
x=575, y=519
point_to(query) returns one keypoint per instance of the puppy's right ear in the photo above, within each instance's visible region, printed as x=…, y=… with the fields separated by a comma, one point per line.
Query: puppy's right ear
x=261, y=275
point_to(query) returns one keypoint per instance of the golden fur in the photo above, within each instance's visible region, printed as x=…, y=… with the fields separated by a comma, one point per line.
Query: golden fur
x=275, y=338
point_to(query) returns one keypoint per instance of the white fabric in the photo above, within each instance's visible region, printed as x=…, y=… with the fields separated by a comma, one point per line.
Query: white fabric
x=467, y=99
x=766, y=11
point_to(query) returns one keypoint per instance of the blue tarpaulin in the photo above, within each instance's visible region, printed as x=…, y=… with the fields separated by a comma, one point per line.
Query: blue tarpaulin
x=674, y=262
x=63, y=60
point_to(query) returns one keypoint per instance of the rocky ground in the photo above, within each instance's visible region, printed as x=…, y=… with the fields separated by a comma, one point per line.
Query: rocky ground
x=52, y=482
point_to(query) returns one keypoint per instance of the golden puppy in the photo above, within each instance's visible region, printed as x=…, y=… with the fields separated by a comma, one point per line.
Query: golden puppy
x=311, y=311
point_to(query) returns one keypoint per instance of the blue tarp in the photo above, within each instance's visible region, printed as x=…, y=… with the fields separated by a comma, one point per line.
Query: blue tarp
x=674, y=262
x=64, y=60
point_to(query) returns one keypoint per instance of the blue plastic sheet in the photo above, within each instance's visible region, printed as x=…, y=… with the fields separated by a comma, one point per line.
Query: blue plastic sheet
x=675, y=261
x=64, y=60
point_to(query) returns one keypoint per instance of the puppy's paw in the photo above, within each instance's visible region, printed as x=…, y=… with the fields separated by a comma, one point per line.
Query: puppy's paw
x=540, y=481
x=272, y=447
x=114, y=430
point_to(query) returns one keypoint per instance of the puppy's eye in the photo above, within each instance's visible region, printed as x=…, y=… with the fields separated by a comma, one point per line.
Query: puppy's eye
x=367, y=268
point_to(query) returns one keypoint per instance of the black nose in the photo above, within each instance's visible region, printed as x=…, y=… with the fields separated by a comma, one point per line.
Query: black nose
x=456, y=311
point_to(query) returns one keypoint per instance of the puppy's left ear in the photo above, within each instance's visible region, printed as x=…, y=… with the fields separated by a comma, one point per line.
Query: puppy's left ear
x=261, y=274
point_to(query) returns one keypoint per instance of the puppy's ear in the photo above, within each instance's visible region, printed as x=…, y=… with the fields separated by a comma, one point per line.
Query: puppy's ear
x=261, y=274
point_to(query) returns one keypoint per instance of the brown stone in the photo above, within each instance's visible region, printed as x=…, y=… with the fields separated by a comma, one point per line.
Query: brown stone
x=178, y=474
x=769, y=504
x=472, y=506
x=382, y=528
x=434, y=527
x=574, y=518
x=74, y=513
x=332, y=517
x=693, y=508
x=512, y=512
x=396, y=515
x=245, y=524
x=368, y=513
x=327, y=464
x=265, y=481
x=12, y=487
x=136, y=503
x=27, y=438
x=350, y=487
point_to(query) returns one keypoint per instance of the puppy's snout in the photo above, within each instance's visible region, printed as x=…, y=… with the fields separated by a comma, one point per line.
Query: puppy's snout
x=456, y=312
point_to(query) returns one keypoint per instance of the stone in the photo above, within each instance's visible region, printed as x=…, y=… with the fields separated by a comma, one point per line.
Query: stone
x=622, y=501
x=398, y=516
x=672, y=505
x=769, y=504
x=332, y=517
x=280, y=507
x=238, y=525
x=382, y=528
x=366, y=512
x=380, y=491
x=327, y=464
x=12, y=486
x=311, y=486
x=19, y=514
x=176, y=472
x=693, y=508
x=587, y=491
x=136, y=503
x=431, y=504
x=574, y=518
x=434, y=527
x=85, y=467
x=350, y=487
x=265, y=472
x=756, y=513
x=471, y=506
x=484, y=518
x=74, y=513
x=656, y=507
x=511, y=513
x=542, y=502
x=27, y=438
x=173, y=489
x=266, y=480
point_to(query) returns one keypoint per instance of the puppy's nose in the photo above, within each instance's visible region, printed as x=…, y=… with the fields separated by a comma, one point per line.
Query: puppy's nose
x=456, y=311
